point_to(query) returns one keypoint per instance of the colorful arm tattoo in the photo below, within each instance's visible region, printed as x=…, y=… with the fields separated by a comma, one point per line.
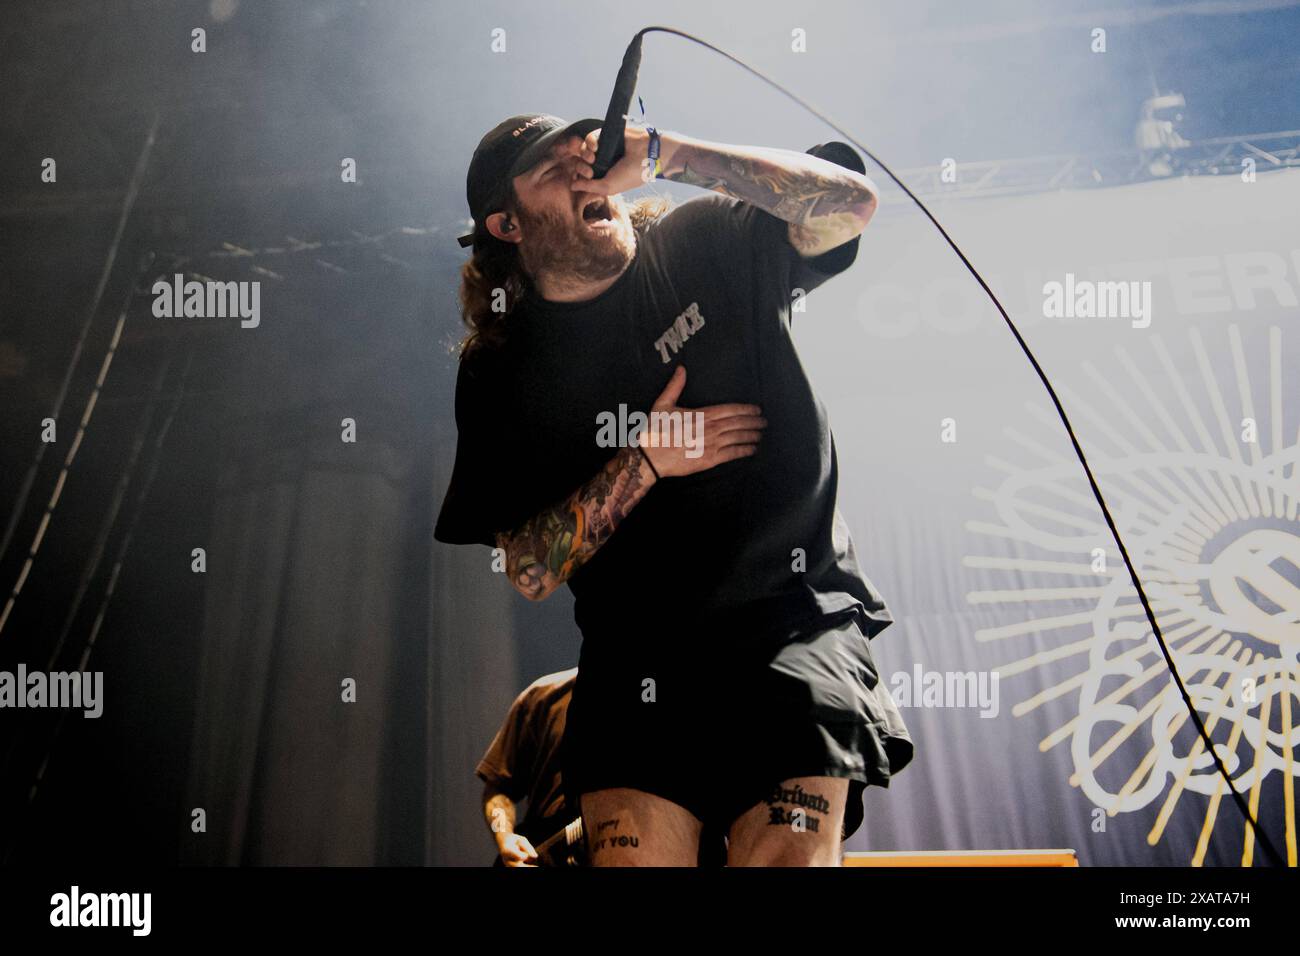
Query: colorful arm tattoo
x=825, y=204
x=548, y=549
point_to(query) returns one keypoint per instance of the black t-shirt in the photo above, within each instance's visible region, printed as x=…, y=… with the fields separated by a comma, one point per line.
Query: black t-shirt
x=753, y=543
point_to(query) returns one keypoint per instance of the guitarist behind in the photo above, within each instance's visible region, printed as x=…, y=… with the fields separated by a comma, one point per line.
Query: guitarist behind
x=523, y=763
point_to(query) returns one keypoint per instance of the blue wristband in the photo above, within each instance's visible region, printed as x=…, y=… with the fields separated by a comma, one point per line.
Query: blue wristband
x=653, y=153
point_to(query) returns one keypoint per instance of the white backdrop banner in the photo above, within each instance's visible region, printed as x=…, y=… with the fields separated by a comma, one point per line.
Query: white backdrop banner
x=1165, y=315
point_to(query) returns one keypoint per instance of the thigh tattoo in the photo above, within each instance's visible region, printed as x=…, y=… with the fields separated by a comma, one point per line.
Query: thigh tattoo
x=609, y=835
x=796, y=808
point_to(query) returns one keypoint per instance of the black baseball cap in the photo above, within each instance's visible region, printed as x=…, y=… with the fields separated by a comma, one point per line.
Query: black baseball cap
x=512, y=147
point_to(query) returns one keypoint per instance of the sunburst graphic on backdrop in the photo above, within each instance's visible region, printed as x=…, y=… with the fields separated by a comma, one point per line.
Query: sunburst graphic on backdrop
x=1203, y=484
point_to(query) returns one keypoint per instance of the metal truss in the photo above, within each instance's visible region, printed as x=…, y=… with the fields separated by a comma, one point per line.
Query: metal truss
x=1224, y=155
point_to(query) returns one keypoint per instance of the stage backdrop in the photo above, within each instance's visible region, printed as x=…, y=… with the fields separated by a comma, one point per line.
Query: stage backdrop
x=1043, y=712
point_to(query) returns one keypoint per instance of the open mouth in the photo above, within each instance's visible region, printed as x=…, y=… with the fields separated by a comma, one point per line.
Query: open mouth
x=596, y=211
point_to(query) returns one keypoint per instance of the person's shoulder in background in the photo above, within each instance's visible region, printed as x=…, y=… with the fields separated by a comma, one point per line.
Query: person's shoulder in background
x=550, y=685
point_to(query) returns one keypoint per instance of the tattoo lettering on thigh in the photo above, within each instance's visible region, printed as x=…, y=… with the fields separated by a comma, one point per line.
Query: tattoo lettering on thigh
x=800, y=797
x=612, y=838
x=802, y=801
x=796, y=819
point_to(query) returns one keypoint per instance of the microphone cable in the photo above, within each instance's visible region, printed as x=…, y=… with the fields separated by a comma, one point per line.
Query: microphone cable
x=609, y=149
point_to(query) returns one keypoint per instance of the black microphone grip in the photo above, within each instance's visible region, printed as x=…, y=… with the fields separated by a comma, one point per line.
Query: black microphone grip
x=610, y=149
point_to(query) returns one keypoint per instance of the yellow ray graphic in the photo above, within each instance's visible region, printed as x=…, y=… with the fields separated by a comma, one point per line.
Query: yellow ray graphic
x=1175, y=791
x=1139, y=719
x=1195, y=462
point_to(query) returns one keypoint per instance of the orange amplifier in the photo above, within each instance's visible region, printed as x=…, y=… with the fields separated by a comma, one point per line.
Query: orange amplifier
x=963, y=858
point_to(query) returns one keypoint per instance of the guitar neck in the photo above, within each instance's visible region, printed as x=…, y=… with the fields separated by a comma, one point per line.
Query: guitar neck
x=554, y=850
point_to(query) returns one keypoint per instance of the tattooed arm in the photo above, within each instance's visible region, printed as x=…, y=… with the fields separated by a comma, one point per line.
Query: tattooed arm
x=825, y=204
x=499, y=812
x=546, y=551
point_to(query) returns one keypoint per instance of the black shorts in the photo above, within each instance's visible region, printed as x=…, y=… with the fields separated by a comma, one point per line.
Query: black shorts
x=713, y=721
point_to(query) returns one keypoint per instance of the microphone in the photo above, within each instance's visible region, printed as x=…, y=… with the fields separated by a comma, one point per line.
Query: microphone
x=610, y=149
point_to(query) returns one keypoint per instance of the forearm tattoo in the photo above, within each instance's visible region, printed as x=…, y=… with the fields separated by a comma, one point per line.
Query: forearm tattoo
x=499, y=811
x=547, y=550
x=825, y=204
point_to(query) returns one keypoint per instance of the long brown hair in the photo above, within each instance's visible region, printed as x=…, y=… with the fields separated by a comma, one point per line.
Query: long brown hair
x=496, y=265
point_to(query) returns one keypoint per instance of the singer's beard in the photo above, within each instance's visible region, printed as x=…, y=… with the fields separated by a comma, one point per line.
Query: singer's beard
x=566, y=254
